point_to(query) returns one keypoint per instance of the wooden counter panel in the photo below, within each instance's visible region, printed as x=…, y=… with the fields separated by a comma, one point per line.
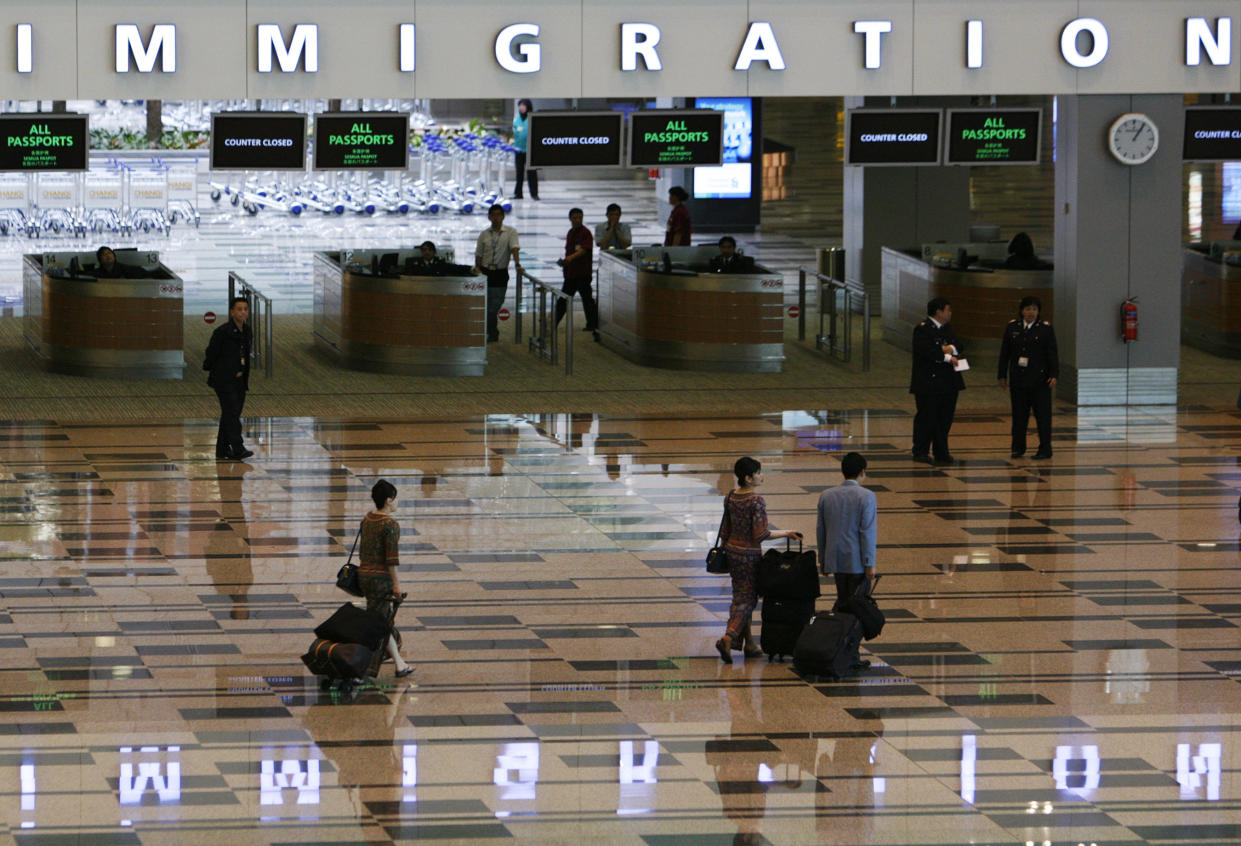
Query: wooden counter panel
x=413, y=320
x=113, y=323
x=984, y=312
x=710, y=317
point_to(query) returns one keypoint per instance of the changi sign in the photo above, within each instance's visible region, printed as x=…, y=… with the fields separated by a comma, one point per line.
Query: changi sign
x=676, y=138
x=366, y=140
x=258, y=141
x=574, y=139
x=30, y=142
x=892, y=136
x=993, y=136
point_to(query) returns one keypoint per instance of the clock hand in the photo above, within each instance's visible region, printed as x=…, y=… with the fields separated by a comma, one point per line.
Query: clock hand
x=1136, y=134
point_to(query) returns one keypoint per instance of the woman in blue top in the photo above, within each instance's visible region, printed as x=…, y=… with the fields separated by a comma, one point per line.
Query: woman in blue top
x=521, y=128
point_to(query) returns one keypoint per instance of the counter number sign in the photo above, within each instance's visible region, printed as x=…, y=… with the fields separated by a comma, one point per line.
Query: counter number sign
x=35, y=142
x=676, y=138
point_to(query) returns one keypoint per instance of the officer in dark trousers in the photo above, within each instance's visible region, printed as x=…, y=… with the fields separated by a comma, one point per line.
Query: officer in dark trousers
x=1029, y=365
x=935, y=382
x=228, y=363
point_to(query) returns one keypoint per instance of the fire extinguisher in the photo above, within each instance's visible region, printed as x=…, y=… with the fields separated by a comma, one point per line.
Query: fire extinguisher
x=1129, y=319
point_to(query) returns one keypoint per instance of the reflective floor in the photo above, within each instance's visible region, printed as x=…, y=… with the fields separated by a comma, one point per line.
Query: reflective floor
x=1059, y=666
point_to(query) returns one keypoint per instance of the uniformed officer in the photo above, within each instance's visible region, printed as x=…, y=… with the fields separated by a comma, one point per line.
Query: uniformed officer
x=1029, y=365
x=228, y=364
x=935, y=382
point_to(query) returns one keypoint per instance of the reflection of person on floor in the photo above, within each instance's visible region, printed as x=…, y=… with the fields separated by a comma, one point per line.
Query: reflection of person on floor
x=847, y=766
x=742, y=795
x=227, y=550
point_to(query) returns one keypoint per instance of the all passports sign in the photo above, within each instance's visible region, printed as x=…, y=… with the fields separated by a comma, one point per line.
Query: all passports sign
x=362, y=140
x=676, y=138
x=993, y=136
x=44, y=142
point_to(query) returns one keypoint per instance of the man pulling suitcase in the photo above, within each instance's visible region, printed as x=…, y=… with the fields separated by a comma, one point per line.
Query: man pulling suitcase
x=847, y=535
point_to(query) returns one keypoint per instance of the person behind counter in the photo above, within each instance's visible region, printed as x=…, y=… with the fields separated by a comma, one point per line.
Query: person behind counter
x=612, y=234
x=521, y=132
x=1029, y=366
x=680, y=227
x=107, y=267
x=1021, y=255
x=227, y=362
x=496, y=245
x=729, y=260
x=578, y=264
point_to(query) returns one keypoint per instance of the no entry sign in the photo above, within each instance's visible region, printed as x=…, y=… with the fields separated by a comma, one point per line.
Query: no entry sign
x=794, y=311
x=503, y=314
x=209, y=317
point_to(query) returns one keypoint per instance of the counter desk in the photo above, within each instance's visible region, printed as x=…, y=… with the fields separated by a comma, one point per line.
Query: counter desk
x=119, y=328
x=984, y=295
x=677, y=315
x=383, y=311
x=1211, y=297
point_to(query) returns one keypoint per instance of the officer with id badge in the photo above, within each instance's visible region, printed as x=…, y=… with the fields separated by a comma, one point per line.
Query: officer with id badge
x=1029, y=365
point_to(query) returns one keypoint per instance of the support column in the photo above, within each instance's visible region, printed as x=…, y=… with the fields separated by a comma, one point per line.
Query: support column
x=1118, y=235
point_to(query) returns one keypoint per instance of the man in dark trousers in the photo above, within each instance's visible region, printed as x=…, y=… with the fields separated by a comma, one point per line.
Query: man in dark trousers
x=1029, y=366
x=847, y=534
x=578, y=264
x=228, y=363
x=935, y=382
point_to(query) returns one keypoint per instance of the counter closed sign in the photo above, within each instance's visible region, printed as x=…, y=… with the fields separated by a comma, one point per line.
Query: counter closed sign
x=574, y=139
x=258, y=141
x=892, y=137
x=993, y=136
x=676, y=138
x=368, y=140
x=44, y=142
x=1212, y=134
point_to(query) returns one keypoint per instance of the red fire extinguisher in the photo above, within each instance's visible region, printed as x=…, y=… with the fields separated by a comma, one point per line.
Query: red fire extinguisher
x=1129, y=319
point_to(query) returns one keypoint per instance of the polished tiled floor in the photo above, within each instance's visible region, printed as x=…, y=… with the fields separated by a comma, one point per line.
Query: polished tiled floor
x=1060, y=663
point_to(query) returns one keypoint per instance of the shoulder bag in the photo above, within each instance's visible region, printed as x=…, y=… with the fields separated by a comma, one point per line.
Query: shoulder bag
x=717, y=561
x=347, y=575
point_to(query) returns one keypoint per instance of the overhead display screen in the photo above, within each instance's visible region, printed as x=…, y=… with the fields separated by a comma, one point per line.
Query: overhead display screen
x=575, y=139
x=667, y=138
x=892, y=137
x=258, y=141
x=993, y=136
x=1212, y=135
x=733, y=179
x=44, y=142
x=364, y=140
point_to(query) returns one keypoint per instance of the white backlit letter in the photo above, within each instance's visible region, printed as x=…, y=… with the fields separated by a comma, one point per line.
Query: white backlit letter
x=760, y=46
x=163, y=44
x=639, y=39
x=303, y=47
x=25, y=53
x=1202, y=770
x=1218, y=44
x=1068, y=42
x=973, y=44
x=1077, y=779
x=408, y=64
x=873, y=30
x=531, y=60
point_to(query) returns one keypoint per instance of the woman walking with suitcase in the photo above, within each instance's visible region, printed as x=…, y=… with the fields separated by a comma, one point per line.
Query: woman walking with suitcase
x=742, y=533
x=377, y=571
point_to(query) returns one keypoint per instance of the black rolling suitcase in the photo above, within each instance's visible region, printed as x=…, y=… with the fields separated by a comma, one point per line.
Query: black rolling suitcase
x=782, y=623
x=345, y=662
x=828, y=646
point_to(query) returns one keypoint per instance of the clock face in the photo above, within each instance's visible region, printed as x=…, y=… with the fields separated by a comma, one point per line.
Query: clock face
x=1133, y=139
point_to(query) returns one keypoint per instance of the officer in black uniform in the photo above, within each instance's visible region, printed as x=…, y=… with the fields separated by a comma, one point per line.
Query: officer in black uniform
x=935, y=382
x=228, y=363
x=729, y=260
x=1029, y=365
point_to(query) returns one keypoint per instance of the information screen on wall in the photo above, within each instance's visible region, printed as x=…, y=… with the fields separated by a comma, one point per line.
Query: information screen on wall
x=44, y=142
x=993, y=136
x=363, y=140
x=575, y=139
x=668, y=138
x=892, y=137
x=733, y=178
x=1212, y=135
x=258, y=141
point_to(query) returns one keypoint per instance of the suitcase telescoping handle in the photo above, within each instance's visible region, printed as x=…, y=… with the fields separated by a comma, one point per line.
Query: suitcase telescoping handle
x=788, y=544
x=865, y=588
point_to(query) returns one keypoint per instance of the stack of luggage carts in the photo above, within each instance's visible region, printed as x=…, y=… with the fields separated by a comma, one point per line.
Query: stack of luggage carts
x=350, y=645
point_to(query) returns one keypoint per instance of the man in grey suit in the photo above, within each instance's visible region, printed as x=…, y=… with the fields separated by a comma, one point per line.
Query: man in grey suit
x=847, y=529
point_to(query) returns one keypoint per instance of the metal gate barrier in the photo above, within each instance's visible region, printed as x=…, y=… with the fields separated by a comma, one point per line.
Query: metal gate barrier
x=838, y=300
x=260, y=320
x=543, y=342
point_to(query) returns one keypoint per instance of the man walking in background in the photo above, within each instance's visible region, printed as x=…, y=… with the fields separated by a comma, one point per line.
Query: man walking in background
x=227, y=363
x=496, y=245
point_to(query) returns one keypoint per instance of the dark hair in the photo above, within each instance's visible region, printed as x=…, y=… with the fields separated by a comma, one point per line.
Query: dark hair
x=234, y=300
x=382, y=492
x=852, y=465
x=99, y=253
x=430, y=244
x=1031, y=301
x=730, y=239
x=745, y=466
x=935, y=305
x=1021, y=245
x=529, y=108
x=679, y=192
x=575, y=210
x=611, y=208
x=493, y=208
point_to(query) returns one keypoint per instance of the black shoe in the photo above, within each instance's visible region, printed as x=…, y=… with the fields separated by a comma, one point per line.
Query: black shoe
x=518, y=197
x=493, y=339
x=400, y=674
x=1016, y=454
x=223, y=456
x=597, y=338
x=241, y=454
x=922, y=459
x=859, y=666
x=533, y=196
x=590, y=328
x=945, y=459
x=1041, y=456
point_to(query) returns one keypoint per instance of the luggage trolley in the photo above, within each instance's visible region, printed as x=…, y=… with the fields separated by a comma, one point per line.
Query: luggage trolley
x=103, y=202
x=14, y=203
x=57, y=203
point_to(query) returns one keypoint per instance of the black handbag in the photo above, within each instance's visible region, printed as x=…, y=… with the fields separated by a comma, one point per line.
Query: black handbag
x=717, y=561
x=785, y=574
x=863, y=606
x=347, y=575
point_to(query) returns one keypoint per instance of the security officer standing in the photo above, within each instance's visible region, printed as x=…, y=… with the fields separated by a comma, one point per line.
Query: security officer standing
x=228, y=363
x=935, y=382
x=1029, y=365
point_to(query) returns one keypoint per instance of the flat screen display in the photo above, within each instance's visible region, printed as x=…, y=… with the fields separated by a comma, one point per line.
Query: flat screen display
x=44, y=142
x=733, y=178
x=1212, y=135
x=993, y=136
x=258, y=141
x=362, y=140
x=575, y=139
x=892, y=137
x=676, y=138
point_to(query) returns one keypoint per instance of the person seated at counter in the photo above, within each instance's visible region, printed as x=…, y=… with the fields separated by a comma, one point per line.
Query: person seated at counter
x=1021, y=255
x=428, y=262
x=729, y=260
x=107, y=267
x=612, y=234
